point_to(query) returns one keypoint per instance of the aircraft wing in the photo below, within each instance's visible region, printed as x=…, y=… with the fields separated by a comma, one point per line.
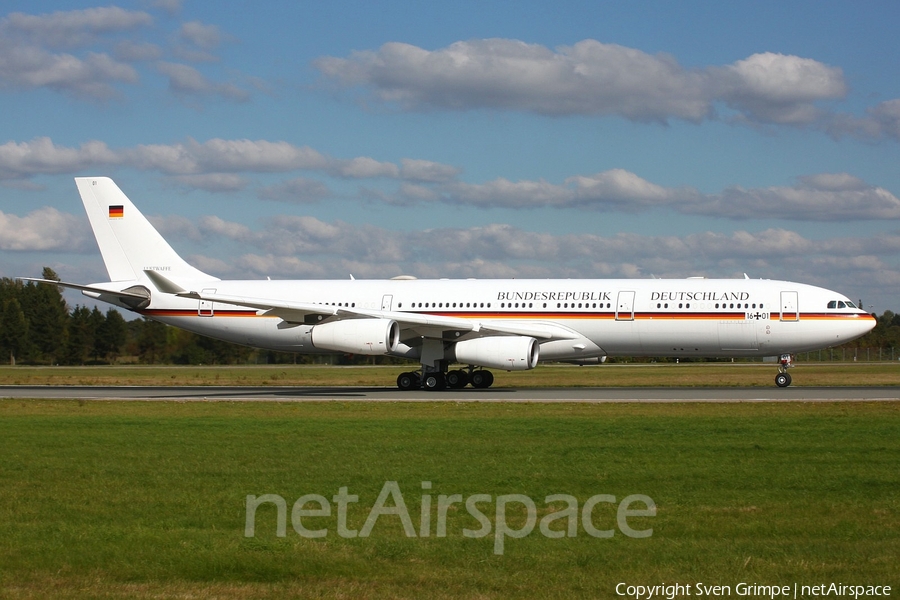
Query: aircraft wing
x=129, y=296
x=310, y=314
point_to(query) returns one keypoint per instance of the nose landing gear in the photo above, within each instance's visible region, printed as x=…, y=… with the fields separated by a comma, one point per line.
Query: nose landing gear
x=783, y=379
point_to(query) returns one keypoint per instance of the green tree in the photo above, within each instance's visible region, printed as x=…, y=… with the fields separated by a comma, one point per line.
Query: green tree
x=13, y=330
x=80, y=340
x=111, y=336
x=47, y=315
x=152, y=338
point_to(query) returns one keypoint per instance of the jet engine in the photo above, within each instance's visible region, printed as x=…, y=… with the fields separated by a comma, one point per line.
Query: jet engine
x=511, y=353
x=357, y=336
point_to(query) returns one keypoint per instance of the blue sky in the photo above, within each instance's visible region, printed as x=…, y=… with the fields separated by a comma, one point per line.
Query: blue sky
x=466, y=139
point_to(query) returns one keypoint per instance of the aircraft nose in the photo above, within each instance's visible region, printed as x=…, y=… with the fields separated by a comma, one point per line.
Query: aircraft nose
x=865, y=324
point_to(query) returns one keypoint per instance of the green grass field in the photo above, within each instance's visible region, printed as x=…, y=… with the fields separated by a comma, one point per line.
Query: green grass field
x=611, y=375
x=147, y=500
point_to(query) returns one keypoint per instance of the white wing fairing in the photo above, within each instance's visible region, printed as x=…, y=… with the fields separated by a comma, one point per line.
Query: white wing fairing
x=502, y=324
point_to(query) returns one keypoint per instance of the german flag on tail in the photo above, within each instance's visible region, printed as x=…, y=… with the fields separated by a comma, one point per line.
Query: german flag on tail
x=116, y=212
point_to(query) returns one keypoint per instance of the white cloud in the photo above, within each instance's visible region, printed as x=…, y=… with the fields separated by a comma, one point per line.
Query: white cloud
x=588, y=78
x=887, y=115
x=30, y=56
x=214, y=165
x=427, y=171
x=300, y=191
x=811, y=201
x=619, y=187
x=774, y=88
x=214, y=182
x=44, y=229
x=91, y=77
x=836, y=182
x=176, y=227
x=823, y=197
x=364, y=167
x=186, y=81
x=75, y=27
x=131, y=51
x=508, y=194
x=172, y=7
x=207, y=37
x=220, y=156
x=307, y=247
x=42, y=156
x=216, y=226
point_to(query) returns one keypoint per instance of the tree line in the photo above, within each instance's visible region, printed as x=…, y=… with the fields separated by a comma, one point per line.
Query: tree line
x=38, y=327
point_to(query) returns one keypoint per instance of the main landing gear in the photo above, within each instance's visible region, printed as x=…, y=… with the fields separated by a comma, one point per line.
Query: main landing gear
x=783, y=379
x=439, y=380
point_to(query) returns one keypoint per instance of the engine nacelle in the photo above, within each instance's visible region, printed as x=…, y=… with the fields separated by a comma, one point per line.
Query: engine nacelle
x=512, y=353
x=373, y=337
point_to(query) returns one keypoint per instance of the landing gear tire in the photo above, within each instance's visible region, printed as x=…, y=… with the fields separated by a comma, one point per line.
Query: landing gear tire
x=407, y=381
x=457, y=380
x=482, y=379
x=433, y=381
x=783, y=380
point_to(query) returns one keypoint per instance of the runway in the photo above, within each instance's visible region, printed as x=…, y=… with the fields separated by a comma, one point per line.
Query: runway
x=386, y=394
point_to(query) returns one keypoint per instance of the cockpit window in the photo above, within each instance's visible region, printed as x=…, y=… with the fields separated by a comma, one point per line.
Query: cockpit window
x=841, y=304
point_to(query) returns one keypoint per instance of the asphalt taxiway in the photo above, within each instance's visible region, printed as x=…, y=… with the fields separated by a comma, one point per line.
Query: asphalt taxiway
x=387, y=394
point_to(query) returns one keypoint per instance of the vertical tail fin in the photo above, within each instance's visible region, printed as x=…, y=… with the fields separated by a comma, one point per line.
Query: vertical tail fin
x=128, y=242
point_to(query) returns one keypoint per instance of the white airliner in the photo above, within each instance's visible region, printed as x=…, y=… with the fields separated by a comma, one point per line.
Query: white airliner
x=508, y=324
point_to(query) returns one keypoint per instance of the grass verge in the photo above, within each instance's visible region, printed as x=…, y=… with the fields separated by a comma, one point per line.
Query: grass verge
x=141, y=500
x=612, y=375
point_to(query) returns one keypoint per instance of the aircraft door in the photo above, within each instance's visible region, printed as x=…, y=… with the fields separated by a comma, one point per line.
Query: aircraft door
x=386, y=302
x=790, y=310
x=625, y=306
x=206, y=308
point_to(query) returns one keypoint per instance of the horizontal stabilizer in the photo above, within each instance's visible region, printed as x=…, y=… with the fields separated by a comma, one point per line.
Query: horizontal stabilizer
x=134, y=297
